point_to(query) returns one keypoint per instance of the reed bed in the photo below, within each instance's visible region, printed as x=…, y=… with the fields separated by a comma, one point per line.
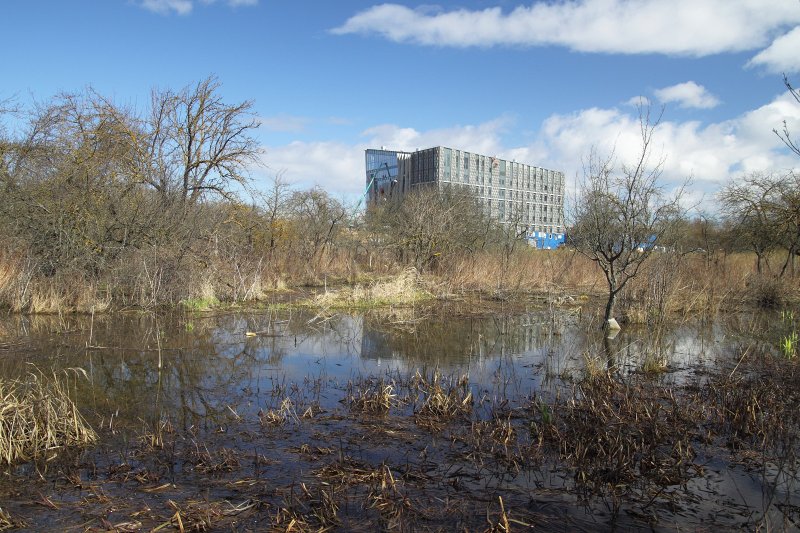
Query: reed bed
x=615, y=434
x=38, y=419
x=527, y=270
x=444, y=398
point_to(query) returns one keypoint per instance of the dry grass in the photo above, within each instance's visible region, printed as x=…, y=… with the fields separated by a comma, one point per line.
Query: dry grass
x=286, y=412
x=527, y=270
x=686, y=285
x=38, y=419
x=372, y=396
x=443, y=398
x=402, y=289
x=23, y=291
x=668, y=285
x=614, y=434
x=8, y=522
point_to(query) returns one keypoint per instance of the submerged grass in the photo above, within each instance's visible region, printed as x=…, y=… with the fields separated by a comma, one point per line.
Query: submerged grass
x=38, y=419
x=443, y=398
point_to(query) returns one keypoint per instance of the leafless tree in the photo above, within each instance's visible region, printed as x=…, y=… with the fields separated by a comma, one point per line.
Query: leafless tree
x=316, y=218
x=784, y=134
x=274, y=205
x=621, y=214
x=764, y=212
x=429, y=224
x=194, y=144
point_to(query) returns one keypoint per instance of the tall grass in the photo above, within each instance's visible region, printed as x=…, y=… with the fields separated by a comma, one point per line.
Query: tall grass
x=669, y=284
x=672, y=285
x=529, y=270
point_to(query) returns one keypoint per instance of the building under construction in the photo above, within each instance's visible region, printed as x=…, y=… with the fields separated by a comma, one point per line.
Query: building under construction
x=529, y=197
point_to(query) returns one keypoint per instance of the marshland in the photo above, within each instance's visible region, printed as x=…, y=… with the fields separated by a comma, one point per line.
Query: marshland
x=430, y=417
x=181, y=350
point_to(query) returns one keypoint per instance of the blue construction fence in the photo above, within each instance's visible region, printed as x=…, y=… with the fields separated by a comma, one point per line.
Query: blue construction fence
x=546, y=241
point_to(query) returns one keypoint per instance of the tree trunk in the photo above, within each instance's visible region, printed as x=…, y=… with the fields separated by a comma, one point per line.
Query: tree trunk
x=612, y=300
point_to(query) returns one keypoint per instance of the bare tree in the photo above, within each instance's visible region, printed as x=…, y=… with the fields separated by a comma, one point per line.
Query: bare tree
x=194, y=144
x=620, y=214
x=274, y=206
x=764, y=212
x=428, y=225
x=317, y=218
x=784, y=134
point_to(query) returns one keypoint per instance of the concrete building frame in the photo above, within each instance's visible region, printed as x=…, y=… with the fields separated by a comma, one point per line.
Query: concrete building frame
x=529, y=197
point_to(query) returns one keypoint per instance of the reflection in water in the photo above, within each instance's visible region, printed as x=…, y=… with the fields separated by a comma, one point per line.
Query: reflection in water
x=201, y=368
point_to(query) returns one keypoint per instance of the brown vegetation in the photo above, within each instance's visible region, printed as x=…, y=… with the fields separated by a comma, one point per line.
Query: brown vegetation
x=38, y=419
x=111, y=207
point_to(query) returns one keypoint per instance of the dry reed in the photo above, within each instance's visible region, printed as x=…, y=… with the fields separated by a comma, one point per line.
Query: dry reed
x=443, y=398
x=402, y=289
x=372, y=396
x=38, y=419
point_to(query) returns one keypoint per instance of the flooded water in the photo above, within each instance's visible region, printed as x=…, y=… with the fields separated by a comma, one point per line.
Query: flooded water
x=197, y=367
x=271, y=389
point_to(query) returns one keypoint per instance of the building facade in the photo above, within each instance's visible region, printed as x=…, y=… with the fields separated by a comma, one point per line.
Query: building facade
x=529, y=197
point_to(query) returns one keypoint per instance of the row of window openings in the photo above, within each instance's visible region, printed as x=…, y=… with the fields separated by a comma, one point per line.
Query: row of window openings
x=502, y=165
x=502, y=182
x=541, y=174
x=518, y=195
x=530, y=214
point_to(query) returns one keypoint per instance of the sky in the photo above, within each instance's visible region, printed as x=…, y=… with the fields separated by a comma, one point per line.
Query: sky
x=540, y=82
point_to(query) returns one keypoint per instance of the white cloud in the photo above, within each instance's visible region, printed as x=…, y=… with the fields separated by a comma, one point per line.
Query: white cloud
x=688, y=94
x=783, y=55
x=482, y=138
x=285, y=123
x=709, y=154
x=181, y=7
x=339, y=167
x=336, y=167
x=677, y=27
x=184, y=7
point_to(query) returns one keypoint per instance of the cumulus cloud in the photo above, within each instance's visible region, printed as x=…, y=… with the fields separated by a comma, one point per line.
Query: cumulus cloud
x=678, y=27
x=481, y=138
x=184, y=7
x=783, y=55
x=709, y=154
x=335, y=166
x=688, y=94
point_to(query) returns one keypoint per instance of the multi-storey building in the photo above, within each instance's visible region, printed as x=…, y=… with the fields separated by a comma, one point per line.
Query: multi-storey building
x=528, y=197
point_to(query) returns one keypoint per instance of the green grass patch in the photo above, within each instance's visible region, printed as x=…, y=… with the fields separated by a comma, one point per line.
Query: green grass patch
x=200, y=304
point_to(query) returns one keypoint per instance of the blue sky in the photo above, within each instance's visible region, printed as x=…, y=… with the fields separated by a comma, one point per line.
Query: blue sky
x=539, y=82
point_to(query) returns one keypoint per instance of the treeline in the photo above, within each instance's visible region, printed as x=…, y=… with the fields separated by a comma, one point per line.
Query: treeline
x=106, y=205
